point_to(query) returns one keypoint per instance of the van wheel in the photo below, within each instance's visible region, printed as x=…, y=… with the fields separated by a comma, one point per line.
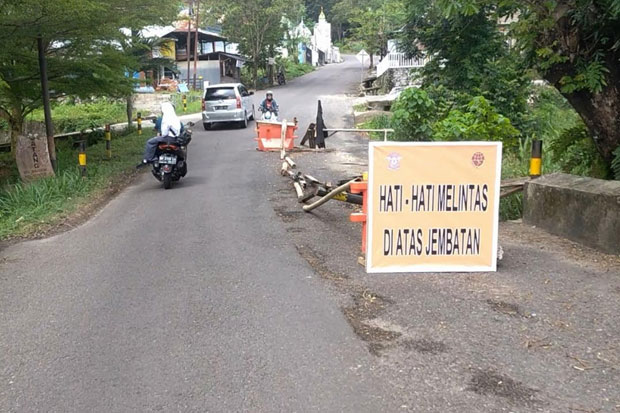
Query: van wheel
x=206, y=125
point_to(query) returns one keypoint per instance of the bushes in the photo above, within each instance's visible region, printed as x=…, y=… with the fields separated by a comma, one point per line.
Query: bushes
x=72, y=117
x=573, y=151
x=478, y=122
x=413, y=113
x=416, y=118
x=293, y=70
x=378, y=122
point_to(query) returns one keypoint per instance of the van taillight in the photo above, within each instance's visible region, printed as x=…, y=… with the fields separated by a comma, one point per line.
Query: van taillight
x=203, y=105
x=238, y=102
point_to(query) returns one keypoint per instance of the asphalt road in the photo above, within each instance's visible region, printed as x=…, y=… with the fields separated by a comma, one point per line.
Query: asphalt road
x=190, y=299
x=222, y=295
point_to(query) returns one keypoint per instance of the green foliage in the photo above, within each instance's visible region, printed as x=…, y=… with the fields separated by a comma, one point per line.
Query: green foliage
x=293, y=69
x=376, y=22
x=26, y=207
x=82, y=43
x=413, y=113
x=591, y=76
x=470, y=56
x=70, y=117
x=574, y=45
x=615, y=164
x=478, y=122
x=549, y=114
x=416, y=118
x=350, y=46
x=194, y=102
x=378, y=122
x=568, y=144
x=574, y=152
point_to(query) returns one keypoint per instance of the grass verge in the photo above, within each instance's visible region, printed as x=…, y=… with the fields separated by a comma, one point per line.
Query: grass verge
x=31, y=209
x=194, y=102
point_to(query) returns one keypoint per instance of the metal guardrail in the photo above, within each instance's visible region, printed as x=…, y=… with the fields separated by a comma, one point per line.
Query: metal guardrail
x=385, y=131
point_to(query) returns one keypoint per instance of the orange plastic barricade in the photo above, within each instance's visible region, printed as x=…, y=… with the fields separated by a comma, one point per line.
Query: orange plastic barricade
x=361, y=188
x=269, y=135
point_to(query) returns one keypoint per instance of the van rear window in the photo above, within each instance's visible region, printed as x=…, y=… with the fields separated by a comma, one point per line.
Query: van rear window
x=220, y=93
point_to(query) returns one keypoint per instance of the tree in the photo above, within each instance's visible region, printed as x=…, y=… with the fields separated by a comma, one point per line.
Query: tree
x=81, y=41
x=470, y=57
x=256, y=25
x=377, y=22
x=575, y=45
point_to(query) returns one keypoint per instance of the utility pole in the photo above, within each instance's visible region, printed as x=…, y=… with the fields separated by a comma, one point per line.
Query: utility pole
x=49, y=128
x=196, y=42
x=189, y=37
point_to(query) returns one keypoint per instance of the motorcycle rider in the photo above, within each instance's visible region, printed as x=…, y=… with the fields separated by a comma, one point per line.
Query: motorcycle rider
x=171, y=126
x=269, y=104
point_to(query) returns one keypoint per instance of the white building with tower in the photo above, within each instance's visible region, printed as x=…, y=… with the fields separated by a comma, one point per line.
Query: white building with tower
x=323, y=50
x=313, y=47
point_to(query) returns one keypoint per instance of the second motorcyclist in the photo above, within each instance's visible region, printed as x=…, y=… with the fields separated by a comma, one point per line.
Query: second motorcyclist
x=269, y=104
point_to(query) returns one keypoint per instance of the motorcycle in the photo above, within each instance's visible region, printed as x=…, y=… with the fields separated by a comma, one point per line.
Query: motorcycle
x=171, y=158
x=269, y=115
x=281, y=79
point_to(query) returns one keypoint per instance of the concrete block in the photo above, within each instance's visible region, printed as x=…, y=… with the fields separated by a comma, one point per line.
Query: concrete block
x=383, y=102
x=585, y=210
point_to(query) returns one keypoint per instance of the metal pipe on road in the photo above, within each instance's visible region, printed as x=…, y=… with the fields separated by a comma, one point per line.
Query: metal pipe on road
x=342, y=188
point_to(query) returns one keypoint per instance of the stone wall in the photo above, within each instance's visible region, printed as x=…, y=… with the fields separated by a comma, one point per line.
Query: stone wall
x=585, y=210
x=149, y=103
x=396, y=78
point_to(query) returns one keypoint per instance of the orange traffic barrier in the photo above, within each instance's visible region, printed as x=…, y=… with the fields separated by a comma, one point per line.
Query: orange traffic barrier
x=269, y=135
x=361, y=188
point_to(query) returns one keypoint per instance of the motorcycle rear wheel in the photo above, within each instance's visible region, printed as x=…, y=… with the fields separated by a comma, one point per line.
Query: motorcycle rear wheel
x=167, y=181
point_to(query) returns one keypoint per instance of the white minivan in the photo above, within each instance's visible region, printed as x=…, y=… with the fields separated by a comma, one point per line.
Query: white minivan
x=227, y=102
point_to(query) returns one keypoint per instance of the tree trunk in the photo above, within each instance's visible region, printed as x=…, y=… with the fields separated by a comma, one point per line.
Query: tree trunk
x=16, y=122
x=45, y=95
x=600, y=111
x=129, y=112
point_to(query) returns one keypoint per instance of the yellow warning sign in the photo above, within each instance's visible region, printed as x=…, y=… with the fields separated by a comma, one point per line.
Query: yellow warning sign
x=433, y=206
